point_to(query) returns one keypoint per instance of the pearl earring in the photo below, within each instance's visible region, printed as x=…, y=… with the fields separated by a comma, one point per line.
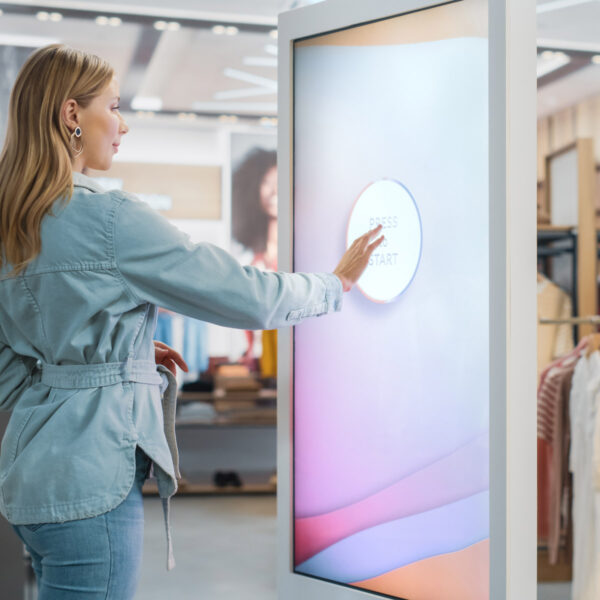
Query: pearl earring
x=76, y=134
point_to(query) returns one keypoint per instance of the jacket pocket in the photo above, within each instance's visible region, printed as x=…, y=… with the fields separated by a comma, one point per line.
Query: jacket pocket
x=12, y=436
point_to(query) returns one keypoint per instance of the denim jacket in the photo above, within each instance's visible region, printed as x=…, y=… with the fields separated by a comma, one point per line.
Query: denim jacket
x=77, y=363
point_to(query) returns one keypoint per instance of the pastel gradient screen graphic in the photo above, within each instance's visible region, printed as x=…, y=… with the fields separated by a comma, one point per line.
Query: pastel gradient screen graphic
x=391, y=395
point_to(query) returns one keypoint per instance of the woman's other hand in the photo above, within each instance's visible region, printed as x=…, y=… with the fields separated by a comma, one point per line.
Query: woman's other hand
x=356, y=258
x=166, y=356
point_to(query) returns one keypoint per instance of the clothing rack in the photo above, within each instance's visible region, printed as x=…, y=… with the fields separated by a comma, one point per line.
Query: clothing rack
x=591, y=320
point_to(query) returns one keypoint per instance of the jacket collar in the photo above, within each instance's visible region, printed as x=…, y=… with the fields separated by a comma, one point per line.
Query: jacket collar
x=83, y=181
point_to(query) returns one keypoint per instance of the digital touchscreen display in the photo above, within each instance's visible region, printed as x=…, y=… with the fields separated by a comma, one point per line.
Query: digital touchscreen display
x=391, y=396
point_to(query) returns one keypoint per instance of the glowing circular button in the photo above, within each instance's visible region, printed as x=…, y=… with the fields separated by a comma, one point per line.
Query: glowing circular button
x=394, y=263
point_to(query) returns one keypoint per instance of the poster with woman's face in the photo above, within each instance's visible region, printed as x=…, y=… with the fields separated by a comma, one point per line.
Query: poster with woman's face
x=254, y=199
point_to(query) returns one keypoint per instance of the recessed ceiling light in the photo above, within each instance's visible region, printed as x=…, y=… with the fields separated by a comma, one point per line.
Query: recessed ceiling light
x=42, y=15
x=596, y=59
x=145, y=114
x=260, y=61
x=559, y=4
x=218, y=29
x=101, y=20
x=160, y=25
x=550, y=61
x=173, y=26
x=55, y=16
x=228, y=118
x=26, y=41
x=273, y=33
x=115, y=21
x=231, y=30
x=268, y=121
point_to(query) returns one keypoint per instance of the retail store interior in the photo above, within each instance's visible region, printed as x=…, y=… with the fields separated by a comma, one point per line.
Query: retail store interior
x=198, y=81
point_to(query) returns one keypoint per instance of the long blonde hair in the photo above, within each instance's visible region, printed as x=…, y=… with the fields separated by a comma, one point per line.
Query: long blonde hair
x=36, y=160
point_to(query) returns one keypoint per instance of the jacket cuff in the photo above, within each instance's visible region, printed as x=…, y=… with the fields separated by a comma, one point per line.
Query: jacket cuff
x=334, y=291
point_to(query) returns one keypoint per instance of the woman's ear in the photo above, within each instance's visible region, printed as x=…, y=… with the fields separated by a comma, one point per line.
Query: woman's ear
x=70, y=114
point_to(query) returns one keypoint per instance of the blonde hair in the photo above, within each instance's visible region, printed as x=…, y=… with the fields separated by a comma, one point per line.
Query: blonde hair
x=36, y=160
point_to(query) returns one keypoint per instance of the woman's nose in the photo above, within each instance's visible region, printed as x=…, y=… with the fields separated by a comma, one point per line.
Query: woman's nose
x=124, y=127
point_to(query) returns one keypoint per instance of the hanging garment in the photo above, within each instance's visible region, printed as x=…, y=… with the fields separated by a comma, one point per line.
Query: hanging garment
x=268, y=360
x=553, y=341
x=187, y=336
x=585, y=394
x=164, y=327
x=195, y=344
x=553, y=448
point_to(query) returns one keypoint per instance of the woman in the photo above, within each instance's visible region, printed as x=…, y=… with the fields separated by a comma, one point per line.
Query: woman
x=82, y=273
x=254, y=225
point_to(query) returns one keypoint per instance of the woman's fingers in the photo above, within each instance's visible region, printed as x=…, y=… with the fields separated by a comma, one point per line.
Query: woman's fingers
x=177, y=358
x=375, y=244
x=371, y=234
x=164, y=352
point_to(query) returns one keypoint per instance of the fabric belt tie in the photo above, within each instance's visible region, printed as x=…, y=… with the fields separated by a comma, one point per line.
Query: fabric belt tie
x=100, y=375
x=136, y=371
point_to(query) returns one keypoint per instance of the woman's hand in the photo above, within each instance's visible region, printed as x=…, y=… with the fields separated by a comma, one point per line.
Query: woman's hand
x=356, y=258
x=168, y=357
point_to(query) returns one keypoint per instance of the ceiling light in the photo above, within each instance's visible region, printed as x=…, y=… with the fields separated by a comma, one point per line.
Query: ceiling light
x=25, y=41
x=55, y=16
x=42, y=15
x=596, y=59
x=559, y=4
x=235, y=106
x=146, y=103
x=260, y=61
x=160, y=25
x=549, y=61
x=218, y=29
x=115, y=21
x=268, y=121
x=228, y=119
x=273, y=33
x=173, y=26
x=231, y=30
x=184, y=116
x=101, y=20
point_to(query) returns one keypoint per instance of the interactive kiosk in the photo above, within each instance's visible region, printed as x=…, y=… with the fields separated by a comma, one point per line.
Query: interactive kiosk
x=406, y=422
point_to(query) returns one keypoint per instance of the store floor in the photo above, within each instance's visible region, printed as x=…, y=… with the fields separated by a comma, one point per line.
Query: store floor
x=225, y=548
x=554, y=591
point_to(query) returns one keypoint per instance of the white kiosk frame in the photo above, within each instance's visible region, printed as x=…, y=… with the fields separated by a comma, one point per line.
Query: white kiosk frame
x=512, y=216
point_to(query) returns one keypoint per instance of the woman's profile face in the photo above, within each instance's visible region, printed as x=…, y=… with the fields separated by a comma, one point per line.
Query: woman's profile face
x=268, y=192
x=102, y=127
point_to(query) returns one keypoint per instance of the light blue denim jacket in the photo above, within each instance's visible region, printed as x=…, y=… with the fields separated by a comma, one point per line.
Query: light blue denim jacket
x=77, y=363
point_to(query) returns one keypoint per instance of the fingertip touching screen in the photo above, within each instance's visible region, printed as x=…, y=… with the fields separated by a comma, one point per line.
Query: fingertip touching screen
x=391, y=395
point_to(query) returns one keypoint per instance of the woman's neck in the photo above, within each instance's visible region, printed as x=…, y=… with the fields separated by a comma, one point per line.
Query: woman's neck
x=78, y=165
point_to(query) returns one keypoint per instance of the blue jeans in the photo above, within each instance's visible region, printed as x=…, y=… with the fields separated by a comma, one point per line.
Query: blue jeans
x=91, y=559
